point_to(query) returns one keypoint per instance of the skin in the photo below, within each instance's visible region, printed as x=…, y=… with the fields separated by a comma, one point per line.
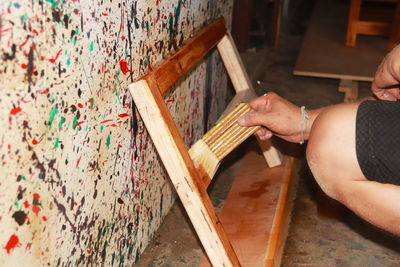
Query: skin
x=388, y=75
x=331, y=149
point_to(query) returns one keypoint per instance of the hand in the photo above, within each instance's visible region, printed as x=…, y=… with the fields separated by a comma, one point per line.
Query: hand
x=387, y=78
x=277, y=115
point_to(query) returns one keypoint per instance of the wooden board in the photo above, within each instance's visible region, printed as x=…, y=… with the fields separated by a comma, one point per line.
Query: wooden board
x=324, y=54
x=166, y=74
x=256, y=213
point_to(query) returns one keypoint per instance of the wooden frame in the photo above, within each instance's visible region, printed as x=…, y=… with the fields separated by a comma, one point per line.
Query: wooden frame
x=147, y=93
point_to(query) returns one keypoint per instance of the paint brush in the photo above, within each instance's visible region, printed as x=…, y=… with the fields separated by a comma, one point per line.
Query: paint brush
x=220, y=140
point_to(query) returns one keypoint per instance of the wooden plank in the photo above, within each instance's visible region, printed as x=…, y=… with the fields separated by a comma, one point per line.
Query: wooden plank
x=279, y=230
x=256, y=207
x=276, y=23
x=323, y=53
x=373, y=28
x=242, y=84
x=233, y=64
x=197, y=47
x=350, y=90
x=182, y=172
x=354, y=15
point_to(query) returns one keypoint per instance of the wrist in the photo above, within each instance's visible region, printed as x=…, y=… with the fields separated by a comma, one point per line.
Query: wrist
x=303, y=124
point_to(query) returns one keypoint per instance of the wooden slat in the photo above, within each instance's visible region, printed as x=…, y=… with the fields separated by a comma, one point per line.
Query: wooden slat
x=182, y=172
x=373, y=28
x=175, y=66
x=257, y=208
x=354, y=14
x=279, y=229
x=242, y=84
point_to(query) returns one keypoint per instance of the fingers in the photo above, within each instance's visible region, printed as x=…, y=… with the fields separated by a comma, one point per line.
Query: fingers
x=252, y=119
x=263, y=134
x=387, y=94
x=262, y=103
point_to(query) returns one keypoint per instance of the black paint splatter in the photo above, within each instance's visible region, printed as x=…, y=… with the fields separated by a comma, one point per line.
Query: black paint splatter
x=19, y=217
x=10, y=56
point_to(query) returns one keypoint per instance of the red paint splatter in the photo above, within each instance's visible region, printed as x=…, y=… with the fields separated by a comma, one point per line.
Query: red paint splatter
x=44, y=218
x=12, y=243
x=15, y=110
x=79, y=123
x=80, y=105
x=36, y=196
x=53, y=60
x=105, y=121
x=36, y=209
x=26, y=204
x=79, y=160
x=104, y=14
x=123, y=115
x=124, y=66
x=35, y=142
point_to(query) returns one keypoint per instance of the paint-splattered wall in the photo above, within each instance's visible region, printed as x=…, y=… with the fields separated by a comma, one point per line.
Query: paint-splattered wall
x=80, y=180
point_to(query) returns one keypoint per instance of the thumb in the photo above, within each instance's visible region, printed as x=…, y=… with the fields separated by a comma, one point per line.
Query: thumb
x=252, y=119
x=387, y=94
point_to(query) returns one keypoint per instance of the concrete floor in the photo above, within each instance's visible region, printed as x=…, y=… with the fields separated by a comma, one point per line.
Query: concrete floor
x=312, y=240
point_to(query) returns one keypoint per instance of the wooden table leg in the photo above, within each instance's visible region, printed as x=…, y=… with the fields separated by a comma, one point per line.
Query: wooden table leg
x=350, y=90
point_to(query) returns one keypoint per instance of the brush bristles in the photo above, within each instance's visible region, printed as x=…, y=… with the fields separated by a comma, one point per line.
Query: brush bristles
x=220, y=140
x=201, y=154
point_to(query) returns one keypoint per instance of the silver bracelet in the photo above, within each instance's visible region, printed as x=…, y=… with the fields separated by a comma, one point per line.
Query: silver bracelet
x=303, y=126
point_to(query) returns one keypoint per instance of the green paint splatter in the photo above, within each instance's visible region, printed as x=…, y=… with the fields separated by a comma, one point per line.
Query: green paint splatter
x=68, y=62
x=62, y=120
x=91, y=46
x=146, y=62
x=171, y=27
x=56, y=144
x=54, y=3
x=74, y=122
x=108, y=141
x=113, y=258
x=177, y=13
x=24, y=178
x=53, y=113
x=24, y=17
x=101, y=128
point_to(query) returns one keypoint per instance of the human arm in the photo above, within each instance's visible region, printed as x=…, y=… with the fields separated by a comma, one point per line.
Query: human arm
x=387, y=77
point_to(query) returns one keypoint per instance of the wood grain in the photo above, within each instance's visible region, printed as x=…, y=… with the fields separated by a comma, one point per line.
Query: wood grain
x=167, y=73
x=183, y=174
x=244, y=90
x=255, y=214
